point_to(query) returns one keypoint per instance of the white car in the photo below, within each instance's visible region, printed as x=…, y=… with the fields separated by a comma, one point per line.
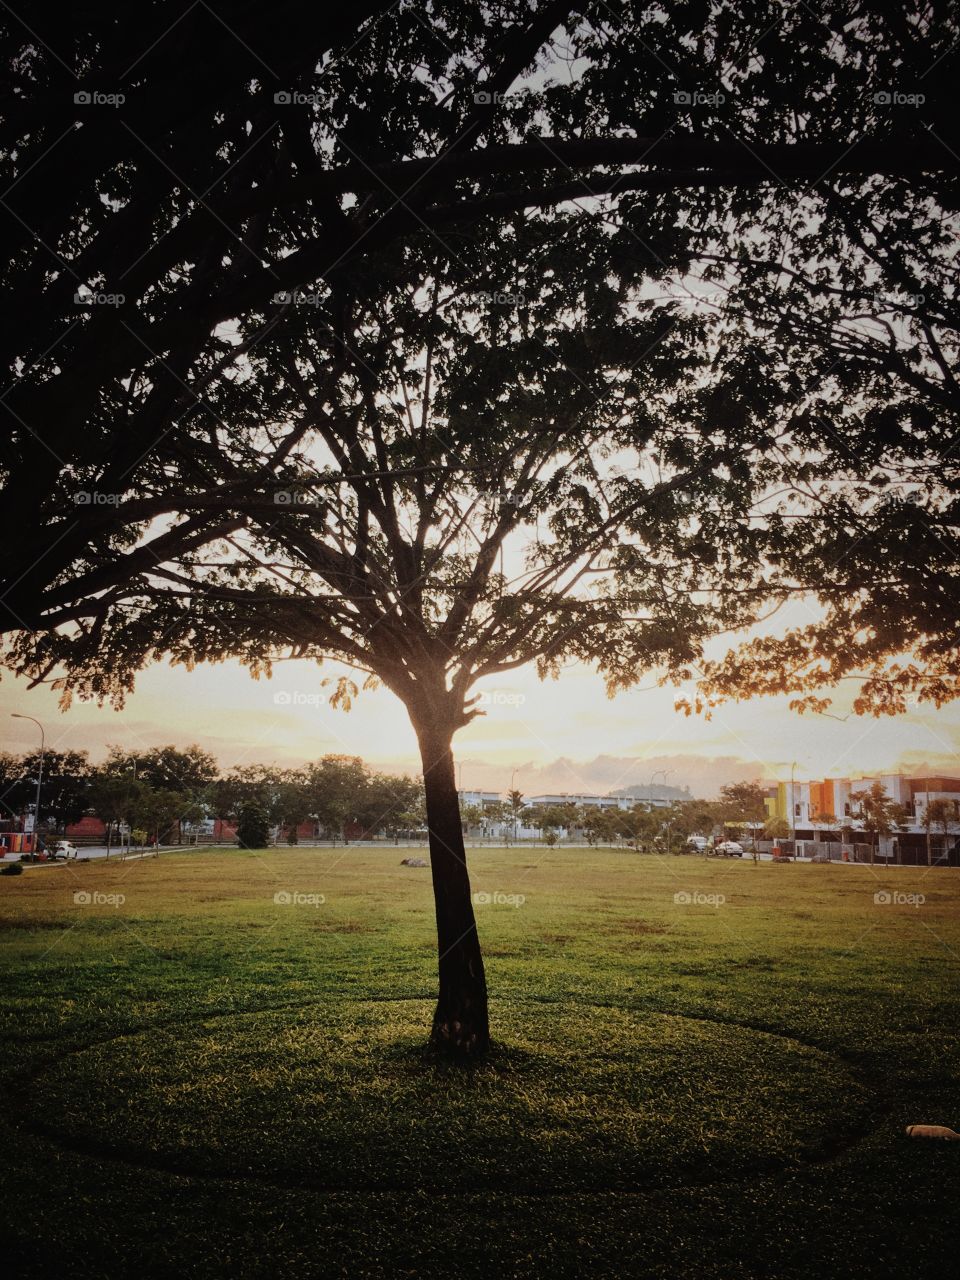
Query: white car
x=728, y=849
x=697, y=842
x=64, y=849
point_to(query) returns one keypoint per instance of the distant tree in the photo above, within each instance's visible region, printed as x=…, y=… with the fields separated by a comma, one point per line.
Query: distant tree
x=244, y=784
x=515, y=807
x=878, y=813
x=289, y=801
x=743, y=803
x=337, y=786
x=598, y=824
x=942, y=814
x=825, y=818
x=160, y=811
x=114, y=798
x=472, y=815
x=253, y=828
x=65, y=789
x=10, y=775
x=385, y=796
x=551, y=818
x=776, y=828
x=637, y=825
x=187, y=770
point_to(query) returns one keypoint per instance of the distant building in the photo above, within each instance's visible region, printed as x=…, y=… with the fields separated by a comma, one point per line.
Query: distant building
x=830, y=808
x=480, y=799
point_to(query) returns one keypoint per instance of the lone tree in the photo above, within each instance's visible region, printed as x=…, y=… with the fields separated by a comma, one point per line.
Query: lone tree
x=493, y=478
x=378, y=389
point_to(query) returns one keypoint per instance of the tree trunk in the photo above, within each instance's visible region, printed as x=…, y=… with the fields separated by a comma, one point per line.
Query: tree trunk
x=460, y=1024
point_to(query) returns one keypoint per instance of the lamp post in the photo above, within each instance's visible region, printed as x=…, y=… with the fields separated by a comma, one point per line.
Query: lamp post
x=666, y=774
x=793, y=810
x=513, y=825
x=36, y=813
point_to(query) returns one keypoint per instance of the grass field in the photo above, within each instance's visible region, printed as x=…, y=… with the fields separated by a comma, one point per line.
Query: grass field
x=203, y=1079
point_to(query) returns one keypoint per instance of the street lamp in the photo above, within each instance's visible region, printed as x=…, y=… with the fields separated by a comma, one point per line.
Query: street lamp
x=666, y=774
x=36, y=815
x=513, y=805
x=793, y=809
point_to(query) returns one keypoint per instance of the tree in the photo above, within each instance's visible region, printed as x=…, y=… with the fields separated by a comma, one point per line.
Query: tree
x=167, y=768
x=336, y=786
x=776, y=828
x=65, y=788
x=636, y=825
x=551, y=818
x=943, y=814
x=472, y=815
x=253, y=829
x=515, y=808
x=744, y=803
x=114, y=798
x=878, y=813
x=352, y=479
x=598, y=824
x=693, y=817
x=298, y=185
x=158, y=811
x=384, y=798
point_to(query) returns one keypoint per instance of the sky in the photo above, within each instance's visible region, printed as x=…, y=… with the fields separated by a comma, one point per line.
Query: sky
x=563, y=735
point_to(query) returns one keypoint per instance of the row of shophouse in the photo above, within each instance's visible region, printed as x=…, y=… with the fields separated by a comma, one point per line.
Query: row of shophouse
x=827, y=811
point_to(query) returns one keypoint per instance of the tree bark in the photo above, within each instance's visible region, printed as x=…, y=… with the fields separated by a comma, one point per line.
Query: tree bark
x=460, y=1023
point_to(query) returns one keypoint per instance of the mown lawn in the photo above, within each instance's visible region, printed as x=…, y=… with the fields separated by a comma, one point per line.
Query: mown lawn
x=201, y=1080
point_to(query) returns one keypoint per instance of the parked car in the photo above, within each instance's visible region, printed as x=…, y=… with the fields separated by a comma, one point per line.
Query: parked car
x=64, y=849
x=728, y=849
x=697, y=843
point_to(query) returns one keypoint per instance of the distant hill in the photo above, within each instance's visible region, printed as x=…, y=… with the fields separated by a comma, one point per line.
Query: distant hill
x=656, y=792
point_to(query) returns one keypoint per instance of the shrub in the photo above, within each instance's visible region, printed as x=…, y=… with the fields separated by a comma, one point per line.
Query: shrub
x=253, y=828
x=12, y=869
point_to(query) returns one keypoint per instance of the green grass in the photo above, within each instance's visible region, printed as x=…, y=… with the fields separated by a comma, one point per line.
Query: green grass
x=202, y=1081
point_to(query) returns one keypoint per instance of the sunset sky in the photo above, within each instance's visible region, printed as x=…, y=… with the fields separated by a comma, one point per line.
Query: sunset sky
x=564, y=735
